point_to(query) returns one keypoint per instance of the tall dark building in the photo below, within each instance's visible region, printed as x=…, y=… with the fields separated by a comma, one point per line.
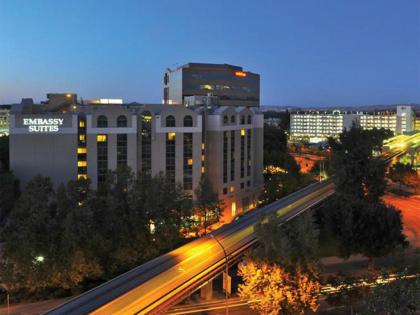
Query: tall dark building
x=231, y=84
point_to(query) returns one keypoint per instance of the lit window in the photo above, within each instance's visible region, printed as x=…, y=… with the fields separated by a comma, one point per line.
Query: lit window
x=240, y=74
x=81, y=150
x=190, y=162
x=81, y=163
x=233, y=208
x=82, y=137
x=243, y=132
x=101, y=138
x=202, y=146
x=82, y=176
x=171, y=136
x=202, y=169
x=81, y=123
x=232, y=189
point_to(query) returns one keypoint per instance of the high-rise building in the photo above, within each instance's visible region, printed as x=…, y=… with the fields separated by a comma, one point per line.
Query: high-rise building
x=73, y=140
x=231, y=84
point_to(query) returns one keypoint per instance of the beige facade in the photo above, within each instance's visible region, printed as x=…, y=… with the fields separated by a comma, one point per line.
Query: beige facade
x=234, y=146
x=85, y=141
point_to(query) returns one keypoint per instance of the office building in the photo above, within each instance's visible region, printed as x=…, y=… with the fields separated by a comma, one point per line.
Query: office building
x=317, y=126
x=231, y=84
x=66, y=140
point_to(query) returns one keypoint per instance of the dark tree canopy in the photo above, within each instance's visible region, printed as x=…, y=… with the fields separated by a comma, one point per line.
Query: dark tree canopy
x=358, y=172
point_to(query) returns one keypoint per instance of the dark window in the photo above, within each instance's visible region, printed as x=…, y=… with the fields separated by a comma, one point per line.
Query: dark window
x=146, y=142
x=242, y=185
x=232, y=155
x=242, y=156
x=102, y=156
x=248, y=183
x=170, y=156
x=225, y=156
x=170, y=121
x=188, y=161
x=188, y=121
x=166, y=94
x=233, y=119
x=225, y=119
x=224, y=191
x=121, y=149
x=248, y=153
x=249, y=119
x=242, y=120
x=122, y=121
x=102, y=122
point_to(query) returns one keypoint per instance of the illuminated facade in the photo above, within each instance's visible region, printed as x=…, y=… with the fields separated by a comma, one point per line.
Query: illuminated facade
x=4, y=121
x=231, y=84
x=317, y=126
x=86, y=141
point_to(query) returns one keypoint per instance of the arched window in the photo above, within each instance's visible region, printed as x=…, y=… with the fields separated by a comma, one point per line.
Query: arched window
x=170, y=121
x=122, y=121
x=188, y=121
x=225, y=119
x=249, y=119
x=233, y=119
x=102, y=122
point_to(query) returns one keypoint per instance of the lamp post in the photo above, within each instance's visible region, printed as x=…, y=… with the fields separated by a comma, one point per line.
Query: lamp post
x=226, y=271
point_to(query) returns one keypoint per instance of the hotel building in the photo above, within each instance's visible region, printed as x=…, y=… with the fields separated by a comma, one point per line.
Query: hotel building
x=317, y=126
x=66, y=140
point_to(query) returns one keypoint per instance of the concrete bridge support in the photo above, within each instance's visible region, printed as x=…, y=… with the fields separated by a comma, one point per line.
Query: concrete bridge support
x=206, y=291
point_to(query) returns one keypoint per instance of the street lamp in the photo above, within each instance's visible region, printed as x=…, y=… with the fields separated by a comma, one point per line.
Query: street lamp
x=226, y=271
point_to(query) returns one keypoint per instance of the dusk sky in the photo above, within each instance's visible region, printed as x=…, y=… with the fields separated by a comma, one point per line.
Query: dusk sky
x=308, y=52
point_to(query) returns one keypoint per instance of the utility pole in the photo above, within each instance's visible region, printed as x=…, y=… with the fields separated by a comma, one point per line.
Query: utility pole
x=226, y=272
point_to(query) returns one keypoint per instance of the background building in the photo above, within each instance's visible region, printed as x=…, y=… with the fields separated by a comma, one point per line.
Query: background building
x=232, y=85
x=4, y=120
x=317, y=126
x=65, y=140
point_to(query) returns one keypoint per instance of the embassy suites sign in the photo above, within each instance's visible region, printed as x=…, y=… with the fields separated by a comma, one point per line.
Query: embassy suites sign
x=43, y=124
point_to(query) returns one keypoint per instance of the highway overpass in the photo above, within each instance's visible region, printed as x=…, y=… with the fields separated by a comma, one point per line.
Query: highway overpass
x=156, y=285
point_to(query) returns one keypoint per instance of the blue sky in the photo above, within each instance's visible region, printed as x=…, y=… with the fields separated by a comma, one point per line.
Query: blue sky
x=308, y=52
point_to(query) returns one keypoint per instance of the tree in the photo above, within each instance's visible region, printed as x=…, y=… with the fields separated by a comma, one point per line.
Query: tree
x=168, y=210
x=413, y=180
x=399, y=296
x=289, y=244
x=403, y=174
x=9, y=192
x=271, y=289
x=357, y=171
x=4, y=153
x=362, y=227
x=30, y=236
x=281, y=274
x=207, y=205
